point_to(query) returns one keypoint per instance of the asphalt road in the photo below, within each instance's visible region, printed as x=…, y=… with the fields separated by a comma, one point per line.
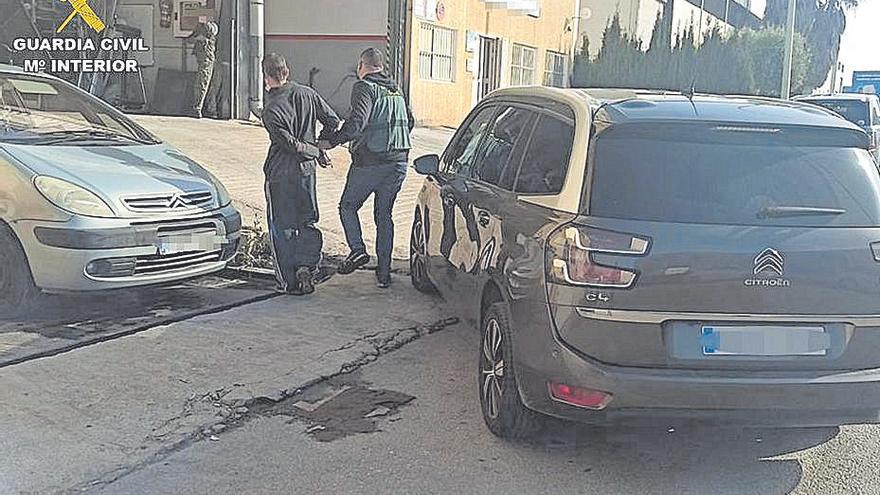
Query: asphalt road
x=436, y=443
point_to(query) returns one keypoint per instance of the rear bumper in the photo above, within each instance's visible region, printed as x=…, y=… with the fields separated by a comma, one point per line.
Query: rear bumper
x=643, y=396
x=669, y=396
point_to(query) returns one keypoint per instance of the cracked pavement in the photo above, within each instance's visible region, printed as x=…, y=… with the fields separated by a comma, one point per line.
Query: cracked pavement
x=99, y=413
x=232, y=402
x=437, y=443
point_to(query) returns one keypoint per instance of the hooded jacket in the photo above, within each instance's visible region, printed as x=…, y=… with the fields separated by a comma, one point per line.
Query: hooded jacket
x=289, y=116
x=355, y=127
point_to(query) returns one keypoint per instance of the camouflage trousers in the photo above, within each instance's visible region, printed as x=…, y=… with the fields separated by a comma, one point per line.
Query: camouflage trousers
x=200, y=86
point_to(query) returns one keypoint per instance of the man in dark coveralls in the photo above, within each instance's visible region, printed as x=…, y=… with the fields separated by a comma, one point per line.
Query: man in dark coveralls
x=290, y=116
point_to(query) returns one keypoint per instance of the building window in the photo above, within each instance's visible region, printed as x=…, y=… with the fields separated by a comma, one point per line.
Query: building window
x=522, y=66
x=437, y=53
x=554, y=69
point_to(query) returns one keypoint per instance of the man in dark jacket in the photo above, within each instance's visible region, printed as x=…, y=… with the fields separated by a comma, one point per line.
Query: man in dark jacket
x=290, y=117
x=378, y=130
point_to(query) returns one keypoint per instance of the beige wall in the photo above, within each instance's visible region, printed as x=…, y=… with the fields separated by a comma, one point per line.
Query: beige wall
x=445, y=103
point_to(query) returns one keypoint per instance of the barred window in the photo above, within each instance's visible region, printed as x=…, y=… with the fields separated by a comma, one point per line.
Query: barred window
x=554, y=69
x=522, y=65
x=437, y=53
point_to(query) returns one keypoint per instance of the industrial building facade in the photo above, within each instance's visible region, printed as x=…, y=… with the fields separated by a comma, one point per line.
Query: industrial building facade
x=447, y=54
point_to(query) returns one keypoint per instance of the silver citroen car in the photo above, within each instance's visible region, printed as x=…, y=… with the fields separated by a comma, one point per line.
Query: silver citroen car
x=90, y=200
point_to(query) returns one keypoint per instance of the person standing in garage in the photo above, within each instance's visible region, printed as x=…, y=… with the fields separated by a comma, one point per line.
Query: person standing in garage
x=290, y=117
x=378, y=129
x=204, y=49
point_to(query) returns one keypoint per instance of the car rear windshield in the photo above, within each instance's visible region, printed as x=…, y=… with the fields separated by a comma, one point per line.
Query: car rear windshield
x=734, y=175
x=854, y=111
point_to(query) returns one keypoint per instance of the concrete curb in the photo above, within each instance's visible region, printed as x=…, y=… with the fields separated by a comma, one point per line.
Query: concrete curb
x=398, y=266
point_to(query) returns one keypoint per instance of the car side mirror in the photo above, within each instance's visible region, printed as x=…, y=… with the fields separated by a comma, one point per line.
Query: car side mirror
x=427, y=165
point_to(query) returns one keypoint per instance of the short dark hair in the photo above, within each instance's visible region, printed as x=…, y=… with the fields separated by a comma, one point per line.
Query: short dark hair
x=373, y=58
x=275, y=66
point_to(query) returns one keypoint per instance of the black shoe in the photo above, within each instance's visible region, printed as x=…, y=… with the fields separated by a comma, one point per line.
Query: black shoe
x=322, y=274
x=353, y=262
x=304, y=280
x=383, y=281
x=294, y=290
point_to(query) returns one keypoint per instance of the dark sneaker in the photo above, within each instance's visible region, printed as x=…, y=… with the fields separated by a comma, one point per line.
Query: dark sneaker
x=352, y=263
x=322, y=274
x=305, y=280
x=293, y=290
x=383, y=281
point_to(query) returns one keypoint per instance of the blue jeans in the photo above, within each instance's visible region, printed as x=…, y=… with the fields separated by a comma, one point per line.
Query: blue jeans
x=384, y=181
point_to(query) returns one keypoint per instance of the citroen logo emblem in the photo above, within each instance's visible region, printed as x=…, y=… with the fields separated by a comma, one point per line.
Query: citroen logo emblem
x=177, y=202
x=769, y=261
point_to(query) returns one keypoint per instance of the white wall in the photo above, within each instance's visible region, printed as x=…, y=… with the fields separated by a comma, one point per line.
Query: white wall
x=636, y=17
x=303, y=17
x=684, y=13
x=648, y=12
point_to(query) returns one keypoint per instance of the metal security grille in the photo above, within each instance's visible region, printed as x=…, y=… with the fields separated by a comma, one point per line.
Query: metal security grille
x=554, y=69
x=522, y=65
x=436, y=53
x=170, y=202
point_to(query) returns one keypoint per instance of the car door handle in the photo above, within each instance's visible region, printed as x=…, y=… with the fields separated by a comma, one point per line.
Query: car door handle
x=483, y=218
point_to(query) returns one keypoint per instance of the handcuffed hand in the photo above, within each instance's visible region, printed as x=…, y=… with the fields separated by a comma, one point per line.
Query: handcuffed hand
x=324, y=160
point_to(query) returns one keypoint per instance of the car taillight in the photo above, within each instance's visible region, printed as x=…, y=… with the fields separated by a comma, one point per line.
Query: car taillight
x=579, y=396
x=571, y=261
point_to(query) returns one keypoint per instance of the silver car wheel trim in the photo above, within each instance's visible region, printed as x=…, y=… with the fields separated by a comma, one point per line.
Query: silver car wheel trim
x=492, y=368
x=417, y=250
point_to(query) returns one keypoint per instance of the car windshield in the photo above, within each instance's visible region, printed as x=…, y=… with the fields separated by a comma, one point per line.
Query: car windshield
x=38, y=110
x=854, y=111
x=738, y=176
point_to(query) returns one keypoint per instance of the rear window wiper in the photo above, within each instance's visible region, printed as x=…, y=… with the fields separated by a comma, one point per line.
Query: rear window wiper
x=55, y=137
x=797, y=211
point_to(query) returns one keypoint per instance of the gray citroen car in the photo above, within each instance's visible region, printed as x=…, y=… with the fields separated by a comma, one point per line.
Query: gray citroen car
x=635, y=256
x=90, y=200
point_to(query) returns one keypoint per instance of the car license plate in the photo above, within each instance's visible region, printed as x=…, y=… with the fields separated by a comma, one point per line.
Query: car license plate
x=763, y=340
x=206, y=241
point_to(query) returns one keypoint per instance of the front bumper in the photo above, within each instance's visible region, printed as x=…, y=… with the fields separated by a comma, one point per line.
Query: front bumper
x=671, y=396
x=86, y=254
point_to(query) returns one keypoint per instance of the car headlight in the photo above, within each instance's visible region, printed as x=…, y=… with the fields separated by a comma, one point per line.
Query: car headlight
x=223, y=197
x=72, y=198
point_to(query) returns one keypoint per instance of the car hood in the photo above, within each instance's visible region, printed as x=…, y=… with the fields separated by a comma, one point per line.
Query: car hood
x=115, y=172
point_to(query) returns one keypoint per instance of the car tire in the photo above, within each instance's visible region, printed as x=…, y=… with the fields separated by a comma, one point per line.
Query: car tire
x=503, y=411
x=418, y=258
x=17, y=289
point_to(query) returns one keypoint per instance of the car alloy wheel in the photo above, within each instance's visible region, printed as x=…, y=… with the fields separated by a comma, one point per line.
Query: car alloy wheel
x=418, y=262
x=503, y=411
x=492, y=368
